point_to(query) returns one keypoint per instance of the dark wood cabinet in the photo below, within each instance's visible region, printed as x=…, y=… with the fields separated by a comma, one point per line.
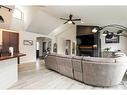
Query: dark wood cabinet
x=10, y=39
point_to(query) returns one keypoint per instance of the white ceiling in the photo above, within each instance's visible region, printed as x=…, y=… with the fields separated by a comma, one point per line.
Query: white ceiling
x=43, y=23
x=48, y=16
x=92, y=15
x=45, y=19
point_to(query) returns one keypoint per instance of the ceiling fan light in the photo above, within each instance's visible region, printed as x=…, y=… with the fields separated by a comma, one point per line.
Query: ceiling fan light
x=70, y=22
x=94, y=30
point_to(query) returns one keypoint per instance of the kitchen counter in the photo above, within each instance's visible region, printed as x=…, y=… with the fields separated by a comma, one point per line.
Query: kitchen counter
x=7, y=56
x=9, y=70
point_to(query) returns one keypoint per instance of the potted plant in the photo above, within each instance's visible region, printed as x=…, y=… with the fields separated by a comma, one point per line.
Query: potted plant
x=107, y=49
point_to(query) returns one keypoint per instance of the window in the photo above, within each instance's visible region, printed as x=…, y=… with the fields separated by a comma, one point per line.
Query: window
x=37, y=46
x=17, y=14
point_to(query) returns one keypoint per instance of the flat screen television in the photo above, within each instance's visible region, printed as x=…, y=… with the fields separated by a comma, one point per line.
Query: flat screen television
x=85, y=40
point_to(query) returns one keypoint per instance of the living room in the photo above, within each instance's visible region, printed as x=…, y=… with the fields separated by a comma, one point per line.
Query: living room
x=74, y=31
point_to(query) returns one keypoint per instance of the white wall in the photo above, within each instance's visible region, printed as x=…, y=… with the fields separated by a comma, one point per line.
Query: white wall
x=68, y=34
x=115, y=46
x=30, y=51
x=40, y=47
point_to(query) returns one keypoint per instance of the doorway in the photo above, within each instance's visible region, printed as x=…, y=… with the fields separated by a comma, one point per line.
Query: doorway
x=43, y=47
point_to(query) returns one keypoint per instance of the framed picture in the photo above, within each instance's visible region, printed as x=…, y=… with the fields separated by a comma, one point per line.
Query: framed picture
x=55, y=48
x=114, y=39
x=28, y=42
x=68, y=47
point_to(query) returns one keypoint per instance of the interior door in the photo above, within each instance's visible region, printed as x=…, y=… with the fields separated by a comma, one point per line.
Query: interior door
x=10, y=39
x=14, y=41
x=5, y=44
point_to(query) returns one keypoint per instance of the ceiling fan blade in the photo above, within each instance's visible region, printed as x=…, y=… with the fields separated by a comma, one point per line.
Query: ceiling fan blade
x=63, y=18
x=76, y=19
x=73, y=23
x=65, y=22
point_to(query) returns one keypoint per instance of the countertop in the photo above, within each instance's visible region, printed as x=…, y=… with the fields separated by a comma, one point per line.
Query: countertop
x=5, y=57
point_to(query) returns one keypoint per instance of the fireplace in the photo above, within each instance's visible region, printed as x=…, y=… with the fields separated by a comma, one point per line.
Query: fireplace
x=88, y=43
x=86, y=51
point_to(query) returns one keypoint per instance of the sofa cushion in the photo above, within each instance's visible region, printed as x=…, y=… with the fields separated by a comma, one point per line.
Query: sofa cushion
x=78, y=75
x=77, y=65
x=121, y=59
x=120, y=54
x=52, y=54
x=78, y=57
x=51, y=63
x=64, y=56
x=98, y=59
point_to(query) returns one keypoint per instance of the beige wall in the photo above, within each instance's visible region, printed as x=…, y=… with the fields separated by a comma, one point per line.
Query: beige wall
x=7, y=16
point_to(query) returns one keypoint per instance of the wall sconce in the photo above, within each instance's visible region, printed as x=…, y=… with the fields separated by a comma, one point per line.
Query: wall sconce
x=108, y=34
x=94, y=30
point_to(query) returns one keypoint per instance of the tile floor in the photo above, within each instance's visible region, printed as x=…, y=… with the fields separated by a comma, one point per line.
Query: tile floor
x=36, y=76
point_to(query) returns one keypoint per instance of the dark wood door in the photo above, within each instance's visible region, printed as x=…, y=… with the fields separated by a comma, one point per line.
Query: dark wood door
x=14, y=41
x=6, y=41
x=10, y=39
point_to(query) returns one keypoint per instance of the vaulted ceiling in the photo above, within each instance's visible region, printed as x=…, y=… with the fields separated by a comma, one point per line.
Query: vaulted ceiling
x=91, y=15
x=45, y=19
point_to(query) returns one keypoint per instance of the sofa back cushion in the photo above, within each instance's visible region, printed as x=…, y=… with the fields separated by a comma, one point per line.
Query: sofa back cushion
x=121, y=59
x=98, y=59
x=64, y=56
x=106, y=74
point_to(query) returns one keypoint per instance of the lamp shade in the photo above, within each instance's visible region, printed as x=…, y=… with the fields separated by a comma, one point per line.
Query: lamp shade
x=94, y=30
x=105, y=33
x=119, y=31
x=1, y=19
x=109, y=35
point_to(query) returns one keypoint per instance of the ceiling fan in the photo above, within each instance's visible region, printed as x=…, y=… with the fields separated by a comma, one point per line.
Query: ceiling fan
x=70, y=20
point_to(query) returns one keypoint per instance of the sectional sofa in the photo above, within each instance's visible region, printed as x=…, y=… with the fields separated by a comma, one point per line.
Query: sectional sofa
x=89, y=70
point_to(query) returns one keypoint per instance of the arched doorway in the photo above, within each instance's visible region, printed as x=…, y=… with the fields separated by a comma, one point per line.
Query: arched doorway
x=43, y=47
